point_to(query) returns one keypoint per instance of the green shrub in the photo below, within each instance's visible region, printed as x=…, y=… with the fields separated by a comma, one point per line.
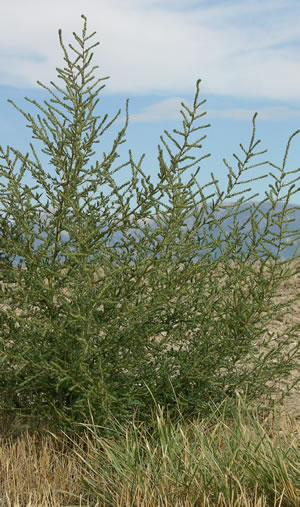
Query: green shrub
x=90, y=324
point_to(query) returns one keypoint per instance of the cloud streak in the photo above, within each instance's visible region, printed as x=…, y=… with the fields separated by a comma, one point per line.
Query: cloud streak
x=169, y=109
x=150, y=47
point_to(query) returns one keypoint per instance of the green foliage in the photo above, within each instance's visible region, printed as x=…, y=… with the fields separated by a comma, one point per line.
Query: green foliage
x=114, y=326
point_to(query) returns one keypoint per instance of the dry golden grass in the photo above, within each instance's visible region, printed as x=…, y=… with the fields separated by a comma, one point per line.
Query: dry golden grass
x=33, y=468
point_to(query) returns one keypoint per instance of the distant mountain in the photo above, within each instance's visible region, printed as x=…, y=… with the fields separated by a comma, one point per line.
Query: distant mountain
x=227, y=225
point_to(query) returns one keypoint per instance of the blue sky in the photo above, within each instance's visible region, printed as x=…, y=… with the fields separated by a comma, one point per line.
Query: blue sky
x=246, y=54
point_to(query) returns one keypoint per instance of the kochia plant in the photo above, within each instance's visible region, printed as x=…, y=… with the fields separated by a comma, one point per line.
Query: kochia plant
x=105, y=327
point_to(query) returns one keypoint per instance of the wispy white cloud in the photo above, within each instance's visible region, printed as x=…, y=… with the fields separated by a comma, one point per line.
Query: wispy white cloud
x=239, y=49
x=169, y=109
x=264, y=114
